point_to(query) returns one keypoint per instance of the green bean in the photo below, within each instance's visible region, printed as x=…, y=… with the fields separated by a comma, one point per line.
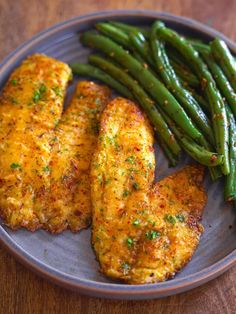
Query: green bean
x=216, y=102
x=139, y=51
x=202, y=102
x=88, y=70
x=227, y=91
x=130, y=28
x=135, y=41
x=139, y=46
x=114, y=33
x=196, y=151
x=138, y=57
x=142, y=46
x=174, y=55
x=184, y=72
x=222, y=82
x=230, y=184
x=222, y=54
x=185, y=76
x=180, y=67
x=189, y=79
x=215, y=173
x=200, y=47
x=142, y=98
x=185, y=98
x=219, y=76
x=146, y=79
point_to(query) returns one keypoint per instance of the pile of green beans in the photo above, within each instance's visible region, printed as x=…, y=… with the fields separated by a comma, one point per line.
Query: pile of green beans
x=186, y=87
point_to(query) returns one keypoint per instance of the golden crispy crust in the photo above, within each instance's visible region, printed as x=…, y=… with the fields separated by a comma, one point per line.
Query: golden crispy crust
x=141, y=233
x=45, y=183
x=30, y=105
x=175, y=207
x=68, y=203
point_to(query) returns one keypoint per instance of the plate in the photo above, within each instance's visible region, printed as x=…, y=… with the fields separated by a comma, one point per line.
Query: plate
x=67, y=259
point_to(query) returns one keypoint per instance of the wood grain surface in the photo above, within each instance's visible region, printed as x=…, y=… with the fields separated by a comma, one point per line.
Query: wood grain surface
x=21, y=291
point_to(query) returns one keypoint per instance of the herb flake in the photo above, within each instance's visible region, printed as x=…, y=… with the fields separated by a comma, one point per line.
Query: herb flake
x=46, y=169
x=152, y=234
x=14, y=82
x=180, y=217
x=136, y=222
x=171, y=219
x=125, y=193
x=135, y=186
x=15, y=166
x=130, y=242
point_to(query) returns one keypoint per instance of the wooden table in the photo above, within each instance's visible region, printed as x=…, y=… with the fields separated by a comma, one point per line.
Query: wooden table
x=21, y=291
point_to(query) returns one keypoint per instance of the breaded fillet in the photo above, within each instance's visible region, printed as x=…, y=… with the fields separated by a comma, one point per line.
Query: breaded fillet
x=141, y=233
x=123, y=163
x=68, y=203
x=30, y=107
x=170, y=228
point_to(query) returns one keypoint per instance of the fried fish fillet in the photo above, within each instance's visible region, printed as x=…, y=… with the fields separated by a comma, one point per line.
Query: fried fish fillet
x=170, y=228
x=142, y=233
x=68, y=203
x=123, y=163
x=30, y=106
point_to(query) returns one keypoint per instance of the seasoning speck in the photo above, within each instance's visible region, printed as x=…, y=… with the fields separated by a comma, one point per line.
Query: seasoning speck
x=15, y=165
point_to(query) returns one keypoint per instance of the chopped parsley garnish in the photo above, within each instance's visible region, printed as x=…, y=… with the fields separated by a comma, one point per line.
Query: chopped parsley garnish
x=36, y=96
x=42, y=88
x=136, y=222
x=55, y=139
x=133, y=170
x=14, y=82
x=131, y=160
x=57, y=90
x=130, y=242
x=180, y=217
x=46, y=169
x=38, y=93
x=125, y=193
x=152, y=234
x=126, y=267
x=15, y=165
x=135, y=186
x=171, y=219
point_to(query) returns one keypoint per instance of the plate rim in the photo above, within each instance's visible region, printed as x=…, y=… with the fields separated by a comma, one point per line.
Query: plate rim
x=114, y=290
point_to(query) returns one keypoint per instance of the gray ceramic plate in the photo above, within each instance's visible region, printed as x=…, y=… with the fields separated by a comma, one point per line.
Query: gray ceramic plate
x=67, y=259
